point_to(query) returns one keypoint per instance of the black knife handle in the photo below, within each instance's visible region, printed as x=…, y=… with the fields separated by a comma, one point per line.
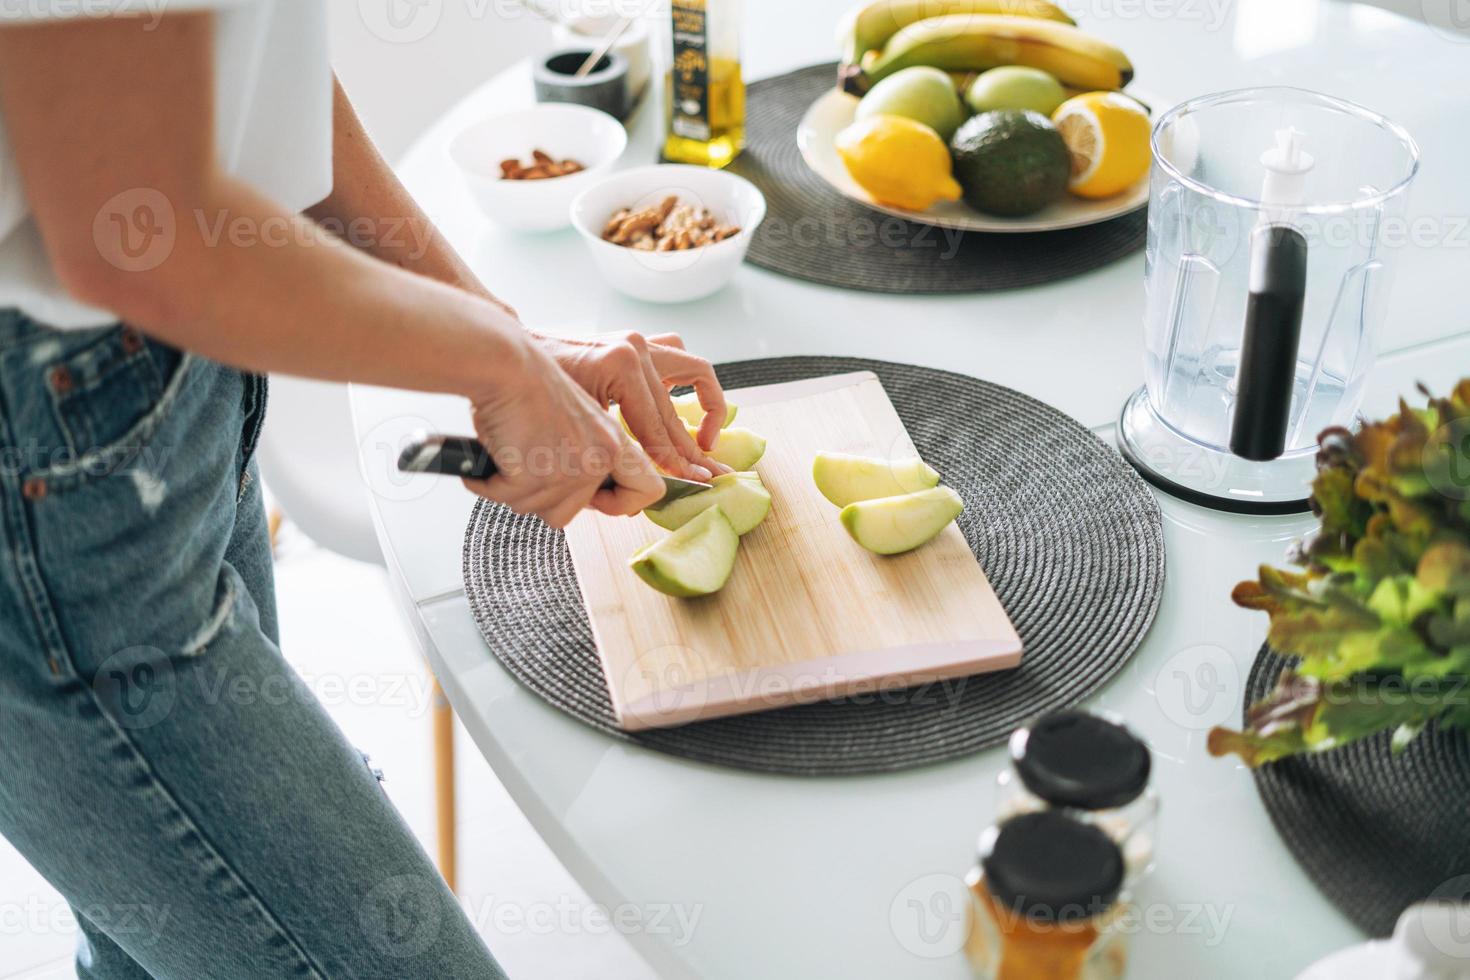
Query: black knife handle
x=1268, y=350
x=460, y=456
x=449, y=455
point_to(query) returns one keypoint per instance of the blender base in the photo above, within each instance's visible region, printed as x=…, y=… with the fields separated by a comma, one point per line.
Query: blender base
x=1200, y=475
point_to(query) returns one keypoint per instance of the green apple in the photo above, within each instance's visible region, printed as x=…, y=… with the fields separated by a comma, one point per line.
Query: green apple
x=740, y=495
x=737, y=448
x=1016, y=87
x=845, y=479
x=693, y=561
x=891, y=525
x=692, y=412
x=921, y=93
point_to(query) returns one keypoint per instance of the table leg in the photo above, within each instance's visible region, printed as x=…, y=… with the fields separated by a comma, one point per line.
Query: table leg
x=444, y=783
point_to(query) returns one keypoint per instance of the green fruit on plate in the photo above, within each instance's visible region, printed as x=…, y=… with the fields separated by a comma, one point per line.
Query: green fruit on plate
x=1010, y=162
x=923, y=94
x=1015, y=87
x=845, y=479
x=737, y=448
x=892, y=525
x=741, y=496
x=688, y=408
x=693, y=561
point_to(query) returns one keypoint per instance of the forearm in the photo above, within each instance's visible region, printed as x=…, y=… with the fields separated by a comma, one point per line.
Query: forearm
x=367, y=194
x=250, y=284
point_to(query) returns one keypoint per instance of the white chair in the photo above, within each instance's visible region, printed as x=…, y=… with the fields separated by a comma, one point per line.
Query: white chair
x=308, y=459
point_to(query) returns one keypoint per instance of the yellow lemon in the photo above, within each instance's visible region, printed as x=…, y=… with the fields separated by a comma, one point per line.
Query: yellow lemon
x=1107, y=133
x=899, y=161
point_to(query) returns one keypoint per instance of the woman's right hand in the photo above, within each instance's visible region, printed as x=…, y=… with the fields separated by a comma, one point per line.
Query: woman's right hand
x=553, y=447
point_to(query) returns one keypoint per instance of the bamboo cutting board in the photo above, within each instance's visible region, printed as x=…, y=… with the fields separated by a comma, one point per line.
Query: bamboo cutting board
x=808, y=613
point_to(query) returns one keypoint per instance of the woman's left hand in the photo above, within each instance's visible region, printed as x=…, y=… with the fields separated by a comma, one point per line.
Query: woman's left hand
x=636, y=373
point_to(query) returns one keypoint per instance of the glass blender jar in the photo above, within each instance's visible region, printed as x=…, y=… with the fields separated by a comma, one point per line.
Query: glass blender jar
x=1271, y=223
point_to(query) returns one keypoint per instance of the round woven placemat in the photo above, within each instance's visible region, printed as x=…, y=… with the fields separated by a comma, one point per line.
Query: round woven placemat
x=812, y=232
x=1377, y=832
x=1068, y=533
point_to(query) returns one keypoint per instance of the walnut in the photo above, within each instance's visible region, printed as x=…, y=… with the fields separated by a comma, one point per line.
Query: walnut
x=666, y=227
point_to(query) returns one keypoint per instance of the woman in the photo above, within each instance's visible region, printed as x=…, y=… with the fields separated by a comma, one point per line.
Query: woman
x=159, y=762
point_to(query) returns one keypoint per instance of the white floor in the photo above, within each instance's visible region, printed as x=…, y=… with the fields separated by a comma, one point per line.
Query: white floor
x=338, y=623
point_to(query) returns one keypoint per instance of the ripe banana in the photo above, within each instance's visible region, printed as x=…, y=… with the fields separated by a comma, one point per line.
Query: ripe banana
x=869, y=27
x=971, y=42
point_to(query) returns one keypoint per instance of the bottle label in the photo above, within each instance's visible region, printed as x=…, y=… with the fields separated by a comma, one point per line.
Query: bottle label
x=689, y=115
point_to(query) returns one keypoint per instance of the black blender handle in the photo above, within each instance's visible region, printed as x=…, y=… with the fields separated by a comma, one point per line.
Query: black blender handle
x=1268, y=352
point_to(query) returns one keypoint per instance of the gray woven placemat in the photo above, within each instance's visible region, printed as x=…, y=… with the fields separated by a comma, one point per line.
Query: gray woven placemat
x=1377, y=832
x=812, y=232
x=1068, y=533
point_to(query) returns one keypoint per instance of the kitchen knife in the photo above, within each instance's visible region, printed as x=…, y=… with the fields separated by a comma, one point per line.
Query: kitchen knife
x=465, y=457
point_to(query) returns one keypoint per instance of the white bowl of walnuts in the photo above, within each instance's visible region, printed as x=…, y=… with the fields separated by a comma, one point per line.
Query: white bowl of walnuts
x=668, y=233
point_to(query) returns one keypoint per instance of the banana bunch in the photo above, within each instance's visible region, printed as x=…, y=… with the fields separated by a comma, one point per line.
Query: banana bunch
x=886, y=36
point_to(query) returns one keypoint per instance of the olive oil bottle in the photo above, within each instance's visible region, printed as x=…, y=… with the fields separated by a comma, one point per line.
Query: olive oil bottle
x=704, y=95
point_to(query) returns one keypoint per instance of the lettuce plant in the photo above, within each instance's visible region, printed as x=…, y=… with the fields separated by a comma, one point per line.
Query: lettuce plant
x=1377, y=614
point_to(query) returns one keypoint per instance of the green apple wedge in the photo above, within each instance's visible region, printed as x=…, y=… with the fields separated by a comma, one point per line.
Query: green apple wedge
x=845, y=479
x=737, y=448
x=740, y=495
x=688, y=408
x=893, y=525
x=693, y=561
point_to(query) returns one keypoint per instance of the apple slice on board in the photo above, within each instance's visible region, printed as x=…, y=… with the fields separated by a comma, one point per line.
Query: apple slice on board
x=688, y=408
x=737, y=448
x=740, y=495
x=891, y=525
x=693, y=561
x=845, y=479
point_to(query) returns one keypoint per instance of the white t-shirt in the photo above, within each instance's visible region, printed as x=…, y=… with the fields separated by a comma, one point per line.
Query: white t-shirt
x=273, y=119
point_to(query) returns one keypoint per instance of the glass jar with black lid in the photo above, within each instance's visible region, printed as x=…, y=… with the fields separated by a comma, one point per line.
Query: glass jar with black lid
x=1047, y=901
x=1091, y=766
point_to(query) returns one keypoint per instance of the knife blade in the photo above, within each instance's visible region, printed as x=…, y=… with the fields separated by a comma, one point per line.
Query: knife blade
x=466, y=457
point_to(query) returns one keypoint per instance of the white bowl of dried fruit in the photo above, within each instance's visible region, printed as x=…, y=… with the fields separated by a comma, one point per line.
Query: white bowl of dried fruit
x=523, y=168
x=668, y=233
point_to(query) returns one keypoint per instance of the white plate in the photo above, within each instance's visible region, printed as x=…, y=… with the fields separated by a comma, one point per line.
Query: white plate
x=834, y=110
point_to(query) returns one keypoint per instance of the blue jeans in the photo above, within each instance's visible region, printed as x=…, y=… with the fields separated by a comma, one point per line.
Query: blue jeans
x=160, y=763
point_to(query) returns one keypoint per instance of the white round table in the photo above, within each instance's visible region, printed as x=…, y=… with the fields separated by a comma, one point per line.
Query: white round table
x=721, y=873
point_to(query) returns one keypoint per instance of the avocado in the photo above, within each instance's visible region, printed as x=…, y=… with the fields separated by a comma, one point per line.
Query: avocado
x=1010, y=162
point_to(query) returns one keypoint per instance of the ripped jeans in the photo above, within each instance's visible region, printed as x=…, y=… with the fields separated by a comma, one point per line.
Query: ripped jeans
x=160, y=763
